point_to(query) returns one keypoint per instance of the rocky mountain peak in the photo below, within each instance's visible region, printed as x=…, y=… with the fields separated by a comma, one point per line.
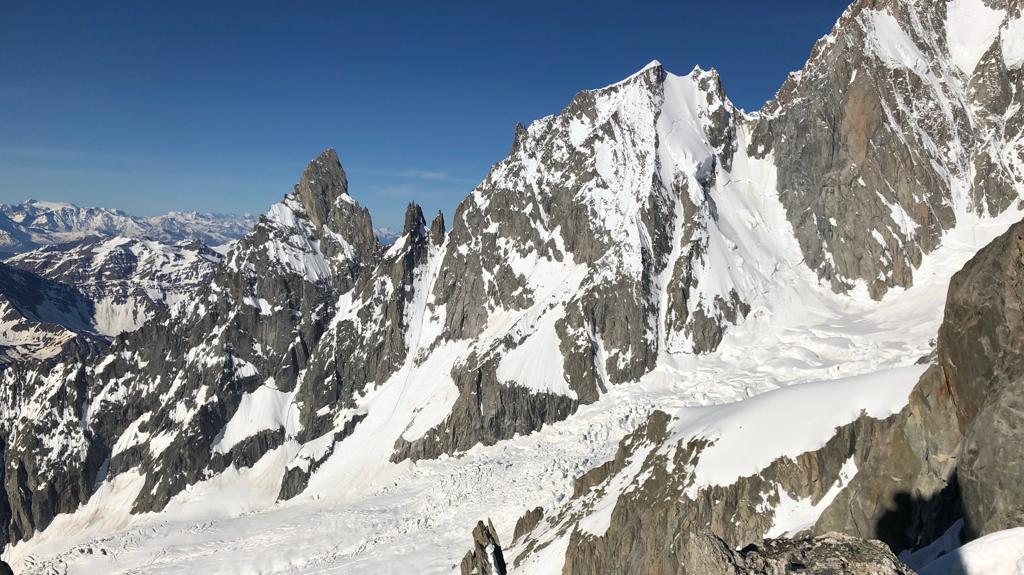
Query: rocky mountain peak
x=520, y=136
x=437, y=229
x=415, y=224
x=940, y=122
x=335, y=231
x=652, y=69
x=653, y=74
x=710, y=82
x=322, y=183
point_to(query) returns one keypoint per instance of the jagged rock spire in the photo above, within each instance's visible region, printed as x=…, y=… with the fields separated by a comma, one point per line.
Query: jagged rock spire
x=437, y=229
x=415, y=224
x=520, y=137
x=322, y=182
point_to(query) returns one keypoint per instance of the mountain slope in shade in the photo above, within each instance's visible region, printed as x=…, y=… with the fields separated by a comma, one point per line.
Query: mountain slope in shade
x=649, y=248
x=32, y=224
x=40, y=317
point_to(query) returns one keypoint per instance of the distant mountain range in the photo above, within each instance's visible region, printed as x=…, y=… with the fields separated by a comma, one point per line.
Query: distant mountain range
x=386, y=236
x=103, y=272
x=32, y=224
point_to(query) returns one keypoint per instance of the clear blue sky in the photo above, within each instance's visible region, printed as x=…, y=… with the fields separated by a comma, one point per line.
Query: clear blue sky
x=217, y=106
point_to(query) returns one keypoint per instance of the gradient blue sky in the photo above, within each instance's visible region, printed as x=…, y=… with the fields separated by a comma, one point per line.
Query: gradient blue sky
x=217, y=106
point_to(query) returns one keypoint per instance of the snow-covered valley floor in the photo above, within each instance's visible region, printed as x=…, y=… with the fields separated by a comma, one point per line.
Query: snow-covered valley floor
x=362, y=514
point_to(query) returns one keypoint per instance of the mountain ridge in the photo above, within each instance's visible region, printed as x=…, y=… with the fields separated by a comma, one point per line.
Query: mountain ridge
x=648, y=247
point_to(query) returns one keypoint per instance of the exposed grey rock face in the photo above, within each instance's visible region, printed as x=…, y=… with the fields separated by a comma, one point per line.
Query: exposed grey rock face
x=905, y=491
x=527, y=522
x=367, y=343
x=985, y=319
x=486, y=412
x=875, y=135
x=989, y=471
x=437, y=229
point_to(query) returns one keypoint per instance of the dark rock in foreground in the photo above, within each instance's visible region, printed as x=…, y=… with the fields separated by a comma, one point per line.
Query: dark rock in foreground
x=705, y=554
x=828, y=554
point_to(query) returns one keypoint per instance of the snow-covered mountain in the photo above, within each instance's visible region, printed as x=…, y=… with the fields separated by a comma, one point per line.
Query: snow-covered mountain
x=659, y=323
x=126, y=279
x=80, y=294
x=386, y=236
x=32, y=224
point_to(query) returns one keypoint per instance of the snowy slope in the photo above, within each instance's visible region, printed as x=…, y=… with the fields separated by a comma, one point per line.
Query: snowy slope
x=81, y=293
x=999, y=553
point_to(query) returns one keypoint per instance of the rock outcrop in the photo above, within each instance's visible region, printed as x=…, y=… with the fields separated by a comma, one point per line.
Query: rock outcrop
x=832, y=553
x=954, y=450
x=486, y=557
